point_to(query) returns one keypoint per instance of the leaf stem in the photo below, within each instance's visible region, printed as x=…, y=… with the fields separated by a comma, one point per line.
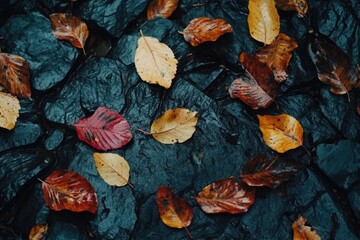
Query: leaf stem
x=144, y=132
x=188, y=232
x=307, y=151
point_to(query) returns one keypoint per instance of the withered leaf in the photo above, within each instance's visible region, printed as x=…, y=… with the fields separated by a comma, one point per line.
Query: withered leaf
x=300, y=6
x=204, y=29
x=257, y=88
x=277, y=55
x=161, y=8
x=260, y=171
x=303, y=232
x=15, y=75
x=226, y=196
x=38, y=231
x=9, y=110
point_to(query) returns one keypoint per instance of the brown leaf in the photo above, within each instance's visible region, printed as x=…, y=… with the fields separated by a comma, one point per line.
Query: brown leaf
x=9, y=110
x=226, y=196
x=257, y=87
x=277, y=55
x=302, y=232
x=174, y=212
x=204, y=29
x=69, y=28
x=260, y=171
x=332, y=64
x=300, y=6
x=161, y=8
x=38, y=231
x=15, y=75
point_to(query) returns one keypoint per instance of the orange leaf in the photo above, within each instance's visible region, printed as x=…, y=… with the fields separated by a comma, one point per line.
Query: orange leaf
x=69, y=28
x=257, y=88
x=174, y=212
x=161, y=8
x=293, y=5
x=226, y=196
x=205, y=29
x=282, y=132
x=65, y=189
x=263, y=20
x=15, y=75
x=38, y=231
x=277, y=55
x=302, y=232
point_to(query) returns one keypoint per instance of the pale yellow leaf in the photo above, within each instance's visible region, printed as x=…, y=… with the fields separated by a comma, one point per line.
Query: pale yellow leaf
x=175, y=125
x=113, y=168
x=38, y=231
x=155, y=62
x=9, y=110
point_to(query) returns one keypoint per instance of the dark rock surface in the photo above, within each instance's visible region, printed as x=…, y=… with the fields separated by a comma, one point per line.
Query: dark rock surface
x=68, y=86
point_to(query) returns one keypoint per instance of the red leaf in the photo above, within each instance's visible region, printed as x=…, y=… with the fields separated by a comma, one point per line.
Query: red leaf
x=161, y=8
x=104, y=130
x=226, y=196
x=260, y=171
x=67, y=190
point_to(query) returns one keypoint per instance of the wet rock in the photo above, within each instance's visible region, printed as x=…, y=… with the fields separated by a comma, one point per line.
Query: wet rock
x=354, y=200
x=30, y=36
x=54, y=140
x=340, y=162
x=64, y=225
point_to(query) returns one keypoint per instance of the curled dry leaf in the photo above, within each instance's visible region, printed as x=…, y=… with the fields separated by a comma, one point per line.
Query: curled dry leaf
x=9, y=110
x=260, y=171
x=155, y=61
x=332, y=64
x=67, y=190
x=300, y=6
x=205, y=29
x=105, y=129
x=69, y=28
x=38, y=231
x=15, y=75
x=282, y=132
x=257, y=87
x=174, y=212
x=113, y=168
x=263, y=20
x=226, y=196
x=161, y=8
x=303, y=232
x=277, y=55
x=174, y=126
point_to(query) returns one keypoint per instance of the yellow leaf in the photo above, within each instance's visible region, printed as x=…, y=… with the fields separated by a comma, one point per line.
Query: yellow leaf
x=113, y=168
x=155, y=62
x=9, y=110
x=263, y=20
x=303, y=232
x=175, y=125
x=38, y=231
x=282, y=132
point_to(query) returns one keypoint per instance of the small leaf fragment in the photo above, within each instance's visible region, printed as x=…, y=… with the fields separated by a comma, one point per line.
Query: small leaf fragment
x=9, y=110
x=226, y=196
x=38, y=231
x=303, y=232
x=15, y=75
x=161, y=8
x=69, y=28
x=155, y=62
x=113, y=168
x=282, y=132
x=204, y=29
x=300, y=6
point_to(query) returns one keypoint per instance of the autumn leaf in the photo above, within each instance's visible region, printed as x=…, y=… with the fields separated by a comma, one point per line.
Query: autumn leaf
x=277, y=55
x=155, y=62
x=204, y=29
x=38, y=231
x=174, y=212
x=105, y=129
x=15, y=75
x=67, y=190
x=174, y=126
x=263, y=20
x=257, y=87
x=113, y=168
x=303, y=232
x=161, y=8
x=69, y=28
x=282, y=132
x=300, y=6
x=332, y=64
x=226, y=196
x=9, y=110
x=260, y=171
